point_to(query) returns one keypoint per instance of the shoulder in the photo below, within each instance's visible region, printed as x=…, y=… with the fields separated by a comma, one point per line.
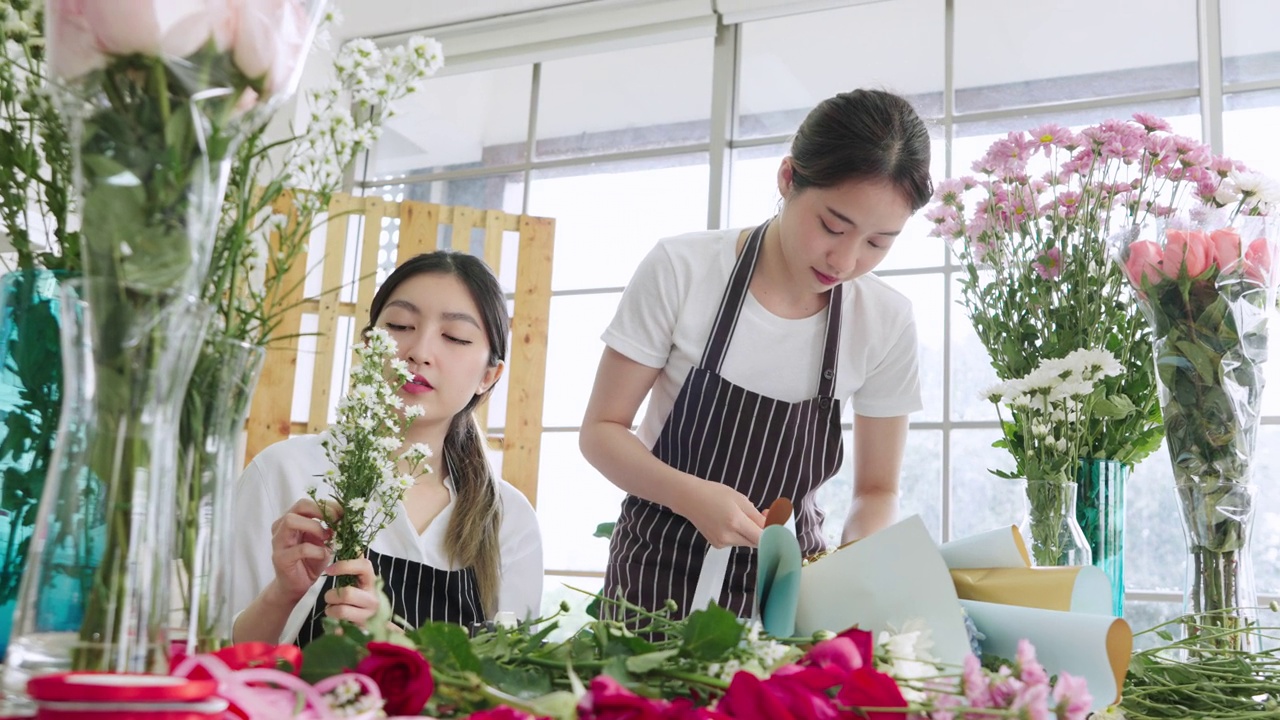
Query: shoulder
x=518, y=516
x=284, y=471
x=698, y=250
x=871, y=295
x=300, y=452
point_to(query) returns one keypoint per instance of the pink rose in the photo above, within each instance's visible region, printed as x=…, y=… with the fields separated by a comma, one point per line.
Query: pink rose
x=271, y=41
x=785, y=695
x=1186, y=251
x=868, y=688
x=1257, y=261
x=1226, y=248
x=606, y=699
x=72, y=49
x=1144, y=264
x=173, y=28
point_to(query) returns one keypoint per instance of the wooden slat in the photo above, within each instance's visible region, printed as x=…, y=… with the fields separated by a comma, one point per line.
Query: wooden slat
x=419, y=225
x=464, y=219
x=335, y=252
x=269, y=414
x=528, y=357
x=493, y=220
x=367, y=274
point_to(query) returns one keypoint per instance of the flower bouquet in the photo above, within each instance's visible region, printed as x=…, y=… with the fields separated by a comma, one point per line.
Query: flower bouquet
x=370, y=473
x=1205, y=283
x=1055, y=402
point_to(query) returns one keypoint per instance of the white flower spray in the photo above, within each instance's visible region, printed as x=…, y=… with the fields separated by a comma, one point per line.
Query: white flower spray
x=364, y=448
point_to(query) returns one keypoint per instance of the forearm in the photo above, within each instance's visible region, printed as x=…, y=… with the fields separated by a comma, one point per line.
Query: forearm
x=871, y=511
x=264, y=619
x=620, y=456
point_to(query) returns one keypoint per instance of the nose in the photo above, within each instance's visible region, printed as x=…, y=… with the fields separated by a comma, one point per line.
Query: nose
x=843, y=256
x=418, y=351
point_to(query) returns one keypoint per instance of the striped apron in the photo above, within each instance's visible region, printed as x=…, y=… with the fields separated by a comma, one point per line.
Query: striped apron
x=762, y=447
x=418, y=593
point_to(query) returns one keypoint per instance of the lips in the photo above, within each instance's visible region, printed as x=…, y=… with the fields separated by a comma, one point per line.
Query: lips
x=417, y=385
x=824, y=278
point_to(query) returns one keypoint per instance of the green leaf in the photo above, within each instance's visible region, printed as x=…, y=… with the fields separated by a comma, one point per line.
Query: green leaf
x=616, y=668
x=1113, y=406
x=641, y=664
x=446, y=645
x=561, y=705
x=604, y=530
x=329, y=655
x=593, y=608
x=710, y=633
x=525, y=683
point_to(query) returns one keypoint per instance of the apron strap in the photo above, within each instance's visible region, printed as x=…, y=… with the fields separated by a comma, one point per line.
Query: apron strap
x=831, y=344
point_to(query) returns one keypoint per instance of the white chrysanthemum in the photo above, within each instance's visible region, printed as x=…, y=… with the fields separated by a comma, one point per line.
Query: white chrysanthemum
x=413, y=412
x=388, y=444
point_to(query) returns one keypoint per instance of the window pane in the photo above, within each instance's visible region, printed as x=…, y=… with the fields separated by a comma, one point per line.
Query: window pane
x=1144, y=614
x=920, y=486
x=476, y=119
x=1011, y=54
x=981, y=501
x=753, y=198
x=1154, y=548
x=572, y=500
x=1248, y=129
x=1266, y=529
x=647, y=97
x=573, y=352
x=971, y=370
x=925, y=292
x=609, y=215
x=565, y=588
x=1250, y=46
x=790, y=64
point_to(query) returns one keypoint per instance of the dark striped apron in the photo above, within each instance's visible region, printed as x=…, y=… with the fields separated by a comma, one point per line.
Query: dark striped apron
x=418, y=593
x=762, y=447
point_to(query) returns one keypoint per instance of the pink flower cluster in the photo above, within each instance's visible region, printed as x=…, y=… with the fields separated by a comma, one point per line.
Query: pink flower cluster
x=266, y=38
x=1194, y=254
x=1025, y=689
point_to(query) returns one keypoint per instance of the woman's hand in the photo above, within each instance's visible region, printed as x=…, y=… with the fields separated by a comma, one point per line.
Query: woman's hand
x=723, y=515
x=298, y=551
x=353, y=603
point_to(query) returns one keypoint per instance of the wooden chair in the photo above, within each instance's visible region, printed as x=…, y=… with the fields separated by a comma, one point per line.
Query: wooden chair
x=419, y=229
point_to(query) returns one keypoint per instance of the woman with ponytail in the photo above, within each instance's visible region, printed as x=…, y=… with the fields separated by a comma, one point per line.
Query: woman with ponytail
x=465, y=544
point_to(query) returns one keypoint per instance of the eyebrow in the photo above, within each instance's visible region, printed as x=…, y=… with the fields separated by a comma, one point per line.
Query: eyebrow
x=447, y=316
x=833, y=211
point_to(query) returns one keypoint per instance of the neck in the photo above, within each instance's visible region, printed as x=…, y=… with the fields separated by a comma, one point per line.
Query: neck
x=432, y=435
x=772, y=283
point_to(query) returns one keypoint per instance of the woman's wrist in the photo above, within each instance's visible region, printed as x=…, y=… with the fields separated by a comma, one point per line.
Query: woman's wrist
x=277, y=597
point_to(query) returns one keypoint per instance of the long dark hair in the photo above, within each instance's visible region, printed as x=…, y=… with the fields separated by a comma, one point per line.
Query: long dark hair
x=862, y=135
x=472, y=536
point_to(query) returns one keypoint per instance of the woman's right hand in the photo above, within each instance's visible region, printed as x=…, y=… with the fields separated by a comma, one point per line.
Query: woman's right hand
x=724, y=516
x=298, y=551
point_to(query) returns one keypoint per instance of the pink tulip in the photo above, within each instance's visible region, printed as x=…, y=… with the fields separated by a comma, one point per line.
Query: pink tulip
x=271, y=39
x=1226, y=248
x=1144, y=263
x=72, y=49
x=1186, y=251
x=1257, y=261
x=295, y=36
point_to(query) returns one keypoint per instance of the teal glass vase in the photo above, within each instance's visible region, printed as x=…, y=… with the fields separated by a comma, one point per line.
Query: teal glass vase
x=1100, y=511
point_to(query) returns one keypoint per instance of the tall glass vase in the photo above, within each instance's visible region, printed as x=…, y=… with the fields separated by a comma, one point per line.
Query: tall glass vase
x=30, y=404
x=210, y=459
x=1100, y=510
x=95, y=595
x=1050, y=529
x=1206, y=283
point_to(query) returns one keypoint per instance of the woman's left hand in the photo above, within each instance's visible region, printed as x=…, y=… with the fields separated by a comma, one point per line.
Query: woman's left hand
x=353, y=603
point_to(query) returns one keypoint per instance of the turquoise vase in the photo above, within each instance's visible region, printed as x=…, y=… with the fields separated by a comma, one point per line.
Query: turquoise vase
x=30, y=405
x=1100, y=510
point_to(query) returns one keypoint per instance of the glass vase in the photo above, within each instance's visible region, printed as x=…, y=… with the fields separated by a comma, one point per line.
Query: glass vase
x=1220, y=594
x=1100, y=511
x=94, y=594
x=210, y=458
x=30, y=405
x=1050, y=528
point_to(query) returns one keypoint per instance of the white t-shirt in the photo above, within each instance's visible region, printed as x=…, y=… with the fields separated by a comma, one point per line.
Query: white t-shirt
x=280, y=476
x=666, y=314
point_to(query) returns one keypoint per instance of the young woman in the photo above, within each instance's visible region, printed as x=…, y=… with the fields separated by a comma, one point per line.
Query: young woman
x=464, y=545
x=747, y=342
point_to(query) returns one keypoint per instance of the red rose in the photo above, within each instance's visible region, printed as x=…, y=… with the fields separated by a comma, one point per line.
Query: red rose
x=785, y=695
x=684, y=709
x=866, y=687
x=501, y=713
x=828, y=663
x=606, y=699
x=247, y=655
x=402, y=675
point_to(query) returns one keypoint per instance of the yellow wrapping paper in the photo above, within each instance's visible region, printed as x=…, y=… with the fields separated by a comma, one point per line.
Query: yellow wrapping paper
x=1069, y=589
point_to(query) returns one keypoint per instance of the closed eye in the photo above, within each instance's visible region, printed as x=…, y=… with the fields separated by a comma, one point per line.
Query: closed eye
x=457, y=340
x=395, y=328
x=828, y=228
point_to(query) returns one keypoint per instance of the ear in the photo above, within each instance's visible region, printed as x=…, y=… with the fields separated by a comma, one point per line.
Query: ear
x=490, y=378
x=786, y=174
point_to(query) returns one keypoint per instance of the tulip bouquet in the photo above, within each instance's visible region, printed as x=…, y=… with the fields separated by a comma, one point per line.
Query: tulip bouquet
x=1206, y=284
